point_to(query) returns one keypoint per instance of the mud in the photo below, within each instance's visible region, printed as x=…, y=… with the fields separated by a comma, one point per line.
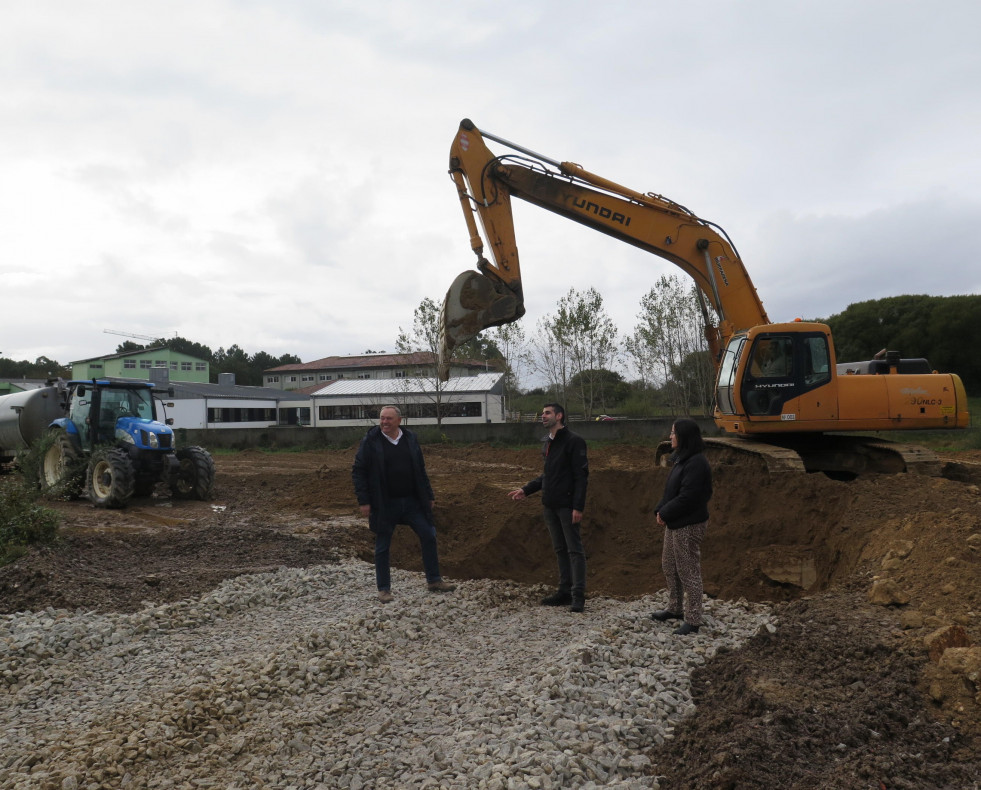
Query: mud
x=844, y=694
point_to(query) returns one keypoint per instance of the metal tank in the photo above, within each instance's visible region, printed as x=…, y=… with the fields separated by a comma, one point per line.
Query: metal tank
x=24, y=416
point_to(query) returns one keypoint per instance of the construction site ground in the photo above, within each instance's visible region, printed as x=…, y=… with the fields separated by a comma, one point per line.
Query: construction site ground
x=848, y=690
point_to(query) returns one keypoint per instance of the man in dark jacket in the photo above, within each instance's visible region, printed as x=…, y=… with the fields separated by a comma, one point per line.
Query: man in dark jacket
x=563, y=487
x=393, y=488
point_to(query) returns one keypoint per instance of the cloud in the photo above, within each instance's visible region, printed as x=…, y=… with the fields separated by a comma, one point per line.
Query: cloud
x=273, y=175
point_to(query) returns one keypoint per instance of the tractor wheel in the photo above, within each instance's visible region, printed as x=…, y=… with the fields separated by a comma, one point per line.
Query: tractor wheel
x=62, y=471
x=195, y=478
x=110, y=478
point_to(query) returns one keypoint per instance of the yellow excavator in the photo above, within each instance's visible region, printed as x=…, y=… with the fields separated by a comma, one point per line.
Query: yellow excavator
x=781, y=394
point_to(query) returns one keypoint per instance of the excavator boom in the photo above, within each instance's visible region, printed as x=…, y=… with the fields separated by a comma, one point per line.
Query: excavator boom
x=485, y=183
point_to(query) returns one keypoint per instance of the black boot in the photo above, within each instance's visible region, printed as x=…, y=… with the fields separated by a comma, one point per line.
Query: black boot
x=665, y=614
x=557, y=598
x=686, y=628
x=578, y=602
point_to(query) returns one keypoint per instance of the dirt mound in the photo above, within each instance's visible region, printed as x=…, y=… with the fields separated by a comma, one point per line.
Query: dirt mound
x=843, y=695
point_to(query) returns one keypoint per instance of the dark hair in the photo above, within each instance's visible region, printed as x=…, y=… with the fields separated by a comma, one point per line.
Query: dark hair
x=557, y=409
x=689, y=437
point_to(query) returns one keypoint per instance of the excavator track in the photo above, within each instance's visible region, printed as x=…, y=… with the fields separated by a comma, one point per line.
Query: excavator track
x=841, y=457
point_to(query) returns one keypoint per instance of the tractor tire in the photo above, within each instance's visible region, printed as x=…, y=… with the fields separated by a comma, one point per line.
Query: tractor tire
x=62, y=470
x=195, y=478
x=110, y=479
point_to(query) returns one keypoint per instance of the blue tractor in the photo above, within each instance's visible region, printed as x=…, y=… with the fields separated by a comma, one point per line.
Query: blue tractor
x=108, y=443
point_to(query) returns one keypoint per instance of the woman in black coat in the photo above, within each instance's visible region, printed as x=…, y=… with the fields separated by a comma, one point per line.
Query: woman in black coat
x=683, y=512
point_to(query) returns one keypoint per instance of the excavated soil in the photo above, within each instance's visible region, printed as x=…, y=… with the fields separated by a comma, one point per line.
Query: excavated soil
x=847, y=693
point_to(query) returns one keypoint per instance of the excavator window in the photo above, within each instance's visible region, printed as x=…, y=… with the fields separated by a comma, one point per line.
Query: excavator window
x=769, y=382
x=727, y=375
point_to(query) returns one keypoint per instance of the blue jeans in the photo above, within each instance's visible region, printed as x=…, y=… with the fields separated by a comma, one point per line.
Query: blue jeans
x=568, y=549
x=405, y=510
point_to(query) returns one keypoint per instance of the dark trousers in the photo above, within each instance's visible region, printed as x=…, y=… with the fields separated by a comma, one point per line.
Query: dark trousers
x=405, y=510
x=568, y=550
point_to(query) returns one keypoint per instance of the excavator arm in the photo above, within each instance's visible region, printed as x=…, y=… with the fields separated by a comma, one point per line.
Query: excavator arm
x=485, y=183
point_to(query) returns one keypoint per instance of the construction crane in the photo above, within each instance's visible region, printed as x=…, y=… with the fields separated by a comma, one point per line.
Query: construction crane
x=131, y=334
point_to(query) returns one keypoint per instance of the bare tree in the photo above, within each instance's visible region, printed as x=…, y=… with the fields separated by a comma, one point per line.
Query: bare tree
x=668, y=346
x=576, y=344
x=510, y=341
x=424, y=336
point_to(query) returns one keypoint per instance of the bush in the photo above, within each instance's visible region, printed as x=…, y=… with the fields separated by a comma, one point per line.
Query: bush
x=23, y=520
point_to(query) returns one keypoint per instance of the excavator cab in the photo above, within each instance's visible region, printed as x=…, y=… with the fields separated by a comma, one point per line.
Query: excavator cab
x=766, y=368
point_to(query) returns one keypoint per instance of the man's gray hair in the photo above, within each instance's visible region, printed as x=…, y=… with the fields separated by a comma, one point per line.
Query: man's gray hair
x=394, y=408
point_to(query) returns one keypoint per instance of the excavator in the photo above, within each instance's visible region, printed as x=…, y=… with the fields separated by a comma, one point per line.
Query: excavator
x=781, y=394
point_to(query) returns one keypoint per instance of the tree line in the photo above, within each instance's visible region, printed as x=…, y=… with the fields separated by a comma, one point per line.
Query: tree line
x=663, y=365
x=578, y=356
x=248, y=368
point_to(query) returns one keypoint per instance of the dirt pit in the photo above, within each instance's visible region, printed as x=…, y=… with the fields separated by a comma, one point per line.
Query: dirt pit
x=845, y=694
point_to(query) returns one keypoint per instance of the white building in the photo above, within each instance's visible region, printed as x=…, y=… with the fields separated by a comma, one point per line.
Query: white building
x=463, y=399
x=227, y=405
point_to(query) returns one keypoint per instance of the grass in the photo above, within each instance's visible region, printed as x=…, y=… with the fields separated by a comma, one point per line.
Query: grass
x=24, y=521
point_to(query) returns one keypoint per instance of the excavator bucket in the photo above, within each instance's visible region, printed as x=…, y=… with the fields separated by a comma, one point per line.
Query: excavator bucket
x=473, y=303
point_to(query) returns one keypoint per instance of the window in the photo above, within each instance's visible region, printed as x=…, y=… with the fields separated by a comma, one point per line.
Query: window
x=173, y=366
x=272, y=379
x=242, y=415
x=146, y=364
x=129, y=364
x=293, y=378
x=364, y=375
x=160, y=363
x=185, y=365
x=325, y=377
x=307, y=378
x=401, y=374
x=200, y=366
x=409, y=410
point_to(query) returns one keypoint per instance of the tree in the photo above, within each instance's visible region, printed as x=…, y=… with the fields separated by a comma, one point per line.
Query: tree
x=234, y=361
x=610, y=385
x=666, y=342
x=424, y=336
x=509, y=340
x=40, y=368
x=578, y=340
x=943, y=329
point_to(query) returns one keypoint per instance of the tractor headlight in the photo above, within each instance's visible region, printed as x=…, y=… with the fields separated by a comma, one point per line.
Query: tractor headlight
x=150, y=440
x=125, y=438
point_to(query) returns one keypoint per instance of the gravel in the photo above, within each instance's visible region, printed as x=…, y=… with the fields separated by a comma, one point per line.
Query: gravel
x=302, y=679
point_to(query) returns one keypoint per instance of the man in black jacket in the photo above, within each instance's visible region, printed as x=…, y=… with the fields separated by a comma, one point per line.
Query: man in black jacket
x=563, y=487
x=393, y=488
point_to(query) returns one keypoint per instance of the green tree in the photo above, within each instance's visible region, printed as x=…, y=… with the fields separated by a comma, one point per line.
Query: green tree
x=40, y=368
x=943, y=329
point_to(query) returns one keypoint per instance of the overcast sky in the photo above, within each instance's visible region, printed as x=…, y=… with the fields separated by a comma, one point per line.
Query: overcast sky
x=273, y=174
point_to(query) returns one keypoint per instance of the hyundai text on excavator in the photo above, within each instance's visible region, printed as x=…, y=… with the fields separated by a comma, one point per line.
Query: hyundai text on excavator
x=781, y=393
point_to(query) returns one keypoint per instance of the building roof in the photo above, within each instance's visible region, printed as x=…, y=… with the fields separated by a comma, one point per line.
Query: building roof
x=482, y=382
x=191, y=389
x=133, y=353
x=369, y=361
x=25, y=384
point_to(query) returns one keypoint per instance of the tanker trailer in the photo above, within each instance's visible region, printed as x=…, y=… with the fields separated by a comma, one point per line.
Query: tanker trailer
x=25, y=416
